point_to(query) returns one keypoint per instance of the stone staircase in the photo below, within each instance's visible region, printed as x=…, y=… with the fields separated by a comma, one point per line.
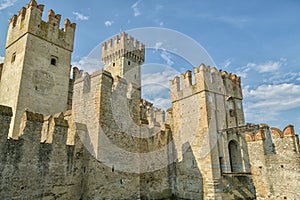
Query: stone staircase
x=238, y=186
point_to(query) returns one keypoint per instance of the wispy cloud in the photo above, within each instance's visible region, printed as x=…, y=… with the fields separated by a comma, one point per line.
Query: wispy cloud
x=155, y=84
x=167, y=57
x=80, y=16
x=267, y=102
x=271, y=68
x=158, y=45
x=136, y=11
x=271, y=90
x=237, y=21
x=6, y=3
x=1, y=59
x=274, y=97
x=164, y=54
x=226, y=63
x=108, y=23
x=267, y=67
x=88, y=64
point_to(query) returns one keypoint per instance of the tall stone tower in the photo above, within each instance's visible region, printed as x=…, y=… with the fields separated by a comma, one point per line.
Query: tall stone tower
x=36, y=69
x=203, y=113
x=123, y=56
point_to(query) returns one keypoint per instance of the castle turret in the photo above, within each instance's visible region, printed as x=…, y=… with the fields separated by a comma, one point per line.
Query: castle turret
x=123, y=56
x=201, y=113
x=37, y=64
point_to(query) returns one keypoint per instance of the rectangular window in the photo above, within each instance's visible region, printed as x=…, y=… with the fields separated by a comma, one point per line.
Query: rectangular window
x=53, y=60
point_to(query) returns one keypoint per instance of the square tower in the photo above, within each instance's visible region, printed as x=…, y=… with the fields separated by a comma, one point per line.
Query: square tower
x=36, y=69
x=123, y=56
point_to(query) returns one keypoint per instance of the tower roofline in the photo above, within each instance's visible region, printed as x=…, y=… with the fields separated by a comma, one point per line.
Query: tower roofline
x=29, y=20
x=123, y=45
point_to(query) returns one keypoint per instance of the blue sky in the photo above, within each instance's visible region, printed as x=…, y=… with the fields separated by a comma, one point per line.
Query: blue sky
x=258, y=40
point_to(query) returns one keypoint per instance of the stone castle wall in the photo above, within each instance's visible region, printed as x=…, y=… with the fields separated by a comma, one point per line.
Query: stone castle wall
x=51, y=153
x=32, y=168
x=275, y=162
x=111, y=144
x=107, y=106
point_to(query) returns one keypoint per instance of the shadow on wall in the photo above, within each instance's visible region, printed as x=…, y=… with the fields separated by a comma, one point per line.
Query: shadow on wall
x=189, y=181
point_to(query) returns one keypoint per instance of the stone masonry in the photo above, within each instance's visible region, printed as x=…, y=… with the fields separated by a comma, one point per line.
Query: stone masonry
x=92, y=136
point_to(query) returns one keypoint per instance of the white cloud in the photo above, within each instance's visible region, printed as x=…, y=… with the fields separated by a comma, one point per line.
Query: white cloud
x=108, y=23
x=243, y=71
x=80, y=16
x=136, y=11
x=6, y=3
x=88, y=64
x=266, y=103
x=227, y=63
x=161, y=24
x=167, y=57
x=269, y=66
x=155, y=85
x=158, y=45
x=1, y=59
x=284, y=77
x=273, y=97
x=162, y=103
x=159, y=78
x=164, y=54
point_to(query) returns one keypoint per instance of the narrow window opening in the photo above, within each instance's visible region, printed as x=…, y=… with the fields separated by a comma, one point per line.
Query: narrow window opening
x=13, y=57
x=135, y=76
x=231, y=113
x=194, y=164
x=36, y=88
x=53, y=61
x=112, y=168
x=128, y=62
x=114, y=64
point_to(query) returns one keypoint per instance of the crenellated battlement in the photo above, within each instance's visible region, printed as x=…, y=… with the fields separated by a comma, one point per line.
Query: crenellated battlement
x=273, y=139
x=206, y=79
x=115, y=84
x=47, y=127
x=151, y=115
x=29, y=20
x=258, y=132
x=123, y=46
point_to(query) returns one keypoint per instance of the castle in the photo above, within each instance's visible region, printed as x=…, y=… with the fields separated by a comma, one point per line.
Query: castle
x=94, y=137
